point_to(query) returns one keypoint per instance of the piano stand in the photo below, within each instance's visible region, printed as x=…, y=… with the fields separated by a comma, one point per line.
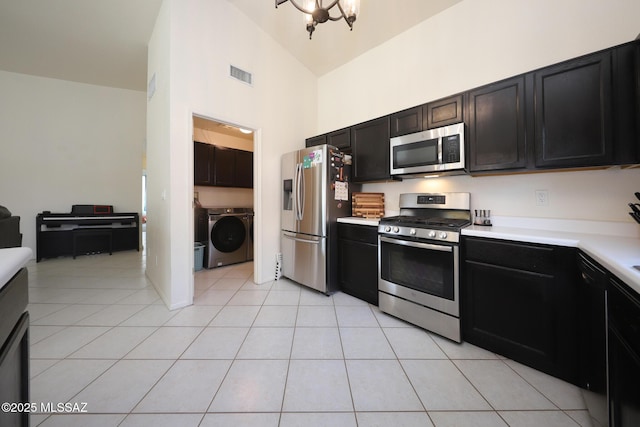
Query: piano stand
x=61, y=234
x=89, y=235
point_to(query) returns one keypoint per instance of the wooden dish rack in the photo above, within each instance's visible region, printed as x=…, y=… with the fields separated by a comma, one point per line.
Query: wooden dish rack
x=368, y=205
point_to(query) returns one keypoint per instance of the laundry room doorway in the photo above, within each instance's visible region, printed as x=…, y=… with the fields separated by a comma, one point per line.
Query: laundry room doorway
x=223, y=192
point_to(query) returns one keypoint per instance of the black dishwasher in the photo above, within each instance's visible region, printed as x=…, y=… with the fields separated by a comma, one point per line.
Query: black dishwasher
x=593, y=336
x=623, y=306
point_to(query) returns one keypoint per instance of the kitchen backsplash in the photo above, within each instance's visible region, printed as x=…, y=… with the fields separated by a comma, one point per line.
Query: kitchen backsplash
x=598, y=195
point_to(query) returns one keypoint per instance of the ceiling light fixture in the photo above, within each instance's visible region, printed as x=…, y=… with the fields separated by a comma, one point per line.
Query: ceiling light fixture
x=315, y=13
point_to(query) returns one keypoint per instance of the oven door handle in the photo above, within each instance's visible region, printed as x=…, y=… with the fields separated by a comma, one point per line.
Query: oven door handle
x=417, y=244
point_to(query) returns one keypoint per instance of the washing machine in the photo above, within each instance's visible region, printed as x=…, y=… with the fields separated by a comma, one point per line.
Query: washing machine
x=227, y=236
x=250, y=216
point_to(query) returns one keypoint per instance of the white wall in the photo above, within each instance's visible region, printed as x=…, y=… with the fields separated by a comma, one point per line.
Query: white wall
x=159, y=234
x=66, y=143
x=205, y=38
x=471, y=44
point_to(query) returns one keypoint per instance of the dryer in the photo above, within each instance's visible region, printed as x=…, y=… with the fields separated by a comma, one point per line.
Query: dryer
x=228, y=236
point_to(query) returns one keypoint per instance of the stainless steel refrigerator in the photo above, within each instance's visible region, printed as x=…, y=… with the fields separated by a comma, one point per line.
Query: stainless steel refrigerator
x=315, y=192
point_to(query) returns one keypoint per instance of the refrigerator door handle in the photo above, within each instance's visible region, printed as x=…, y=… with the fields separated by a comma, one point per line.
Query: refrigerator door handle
x=297, y=239
x=299, y=192
x=295, y=193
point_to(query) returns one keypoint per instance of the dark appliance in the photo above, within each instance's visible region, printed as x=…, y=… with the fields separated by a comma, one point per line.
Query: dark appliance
x=436, y=151
x=592, y=337
x=419, y=261
x=227, y=241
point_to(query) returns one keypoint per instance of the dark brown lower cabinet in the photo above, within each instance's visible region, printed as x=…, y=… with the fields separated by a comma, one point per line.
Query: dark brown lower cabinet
x=14, y=350
x=358, y=261
x=624, y=355
x=519, y=300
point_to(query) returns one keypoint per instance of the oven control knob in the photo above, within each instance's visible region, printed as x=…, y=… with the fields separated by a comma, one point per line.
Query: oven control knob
x=443, y=235
x=387, y=229
x=432, y=234
x=412, y=231
x=396, y=230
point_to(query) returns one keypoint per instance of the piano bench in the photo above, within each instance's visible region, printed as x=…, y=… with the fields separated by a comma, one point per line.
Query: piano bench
x=91, y=234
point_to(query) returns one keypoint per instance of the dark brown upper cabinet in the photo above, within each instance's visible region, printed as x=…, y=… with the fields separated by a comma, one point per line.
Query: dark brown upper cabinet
x=625, y=61
x=496, y=126
x=243, y=176
x=315, y=140
x=438, y=113
x=370, y=150
x=406, y=121
x=579, y=113
x=222, y=166
x=202, y=163
x=340, y=139
x=443, y=112
x=584, y=112
x=573, y=113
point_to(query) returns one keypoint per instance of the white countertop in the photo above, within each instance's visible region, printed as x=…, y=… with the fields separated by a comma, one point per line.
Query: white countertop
x=360, y=221
x=11, y=261
x=616, y=247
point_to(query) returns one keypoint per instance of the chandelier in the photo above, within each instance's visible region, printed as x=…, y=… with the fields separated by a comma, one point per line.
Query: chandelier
x=316, y=13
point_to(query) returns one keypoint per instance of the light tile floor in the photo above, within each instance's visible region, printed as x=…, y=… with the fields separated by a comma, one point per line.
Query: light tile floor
x=275, y=354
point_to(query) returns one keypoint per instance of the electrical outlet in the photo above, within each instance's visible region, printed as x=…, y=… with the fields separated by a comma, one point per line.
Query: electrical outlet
x=542, y=198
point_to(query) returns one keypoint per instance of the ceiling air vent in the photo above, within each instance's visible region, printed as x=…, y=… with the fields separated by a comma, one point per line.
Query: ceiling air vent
x=243, y=76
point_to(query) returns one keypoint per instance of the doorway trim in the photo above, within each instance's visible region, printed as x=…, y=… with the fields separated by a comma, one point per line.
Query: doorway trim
x=257, y=191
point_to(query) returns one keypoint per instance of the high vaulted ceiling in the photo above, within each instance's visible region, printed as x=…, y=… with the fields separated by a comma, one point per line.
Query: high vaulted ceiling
x=333, y=44
x=104, y=42
x=101, y=42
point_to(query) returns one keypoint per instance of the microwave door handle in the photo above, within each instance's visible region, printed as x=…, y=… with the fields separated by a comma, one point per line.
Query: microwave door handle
x=419, y=245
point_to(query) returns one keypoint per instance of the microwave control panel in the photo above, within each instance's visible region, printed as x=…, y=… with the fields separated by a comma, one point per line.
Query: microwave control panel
x=451, y=148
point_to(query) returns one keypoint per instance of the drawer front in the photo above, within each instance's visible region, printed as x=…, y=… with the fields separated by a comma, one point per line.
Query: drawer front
x=13, y=302
x=359, y=233
x=521, y=256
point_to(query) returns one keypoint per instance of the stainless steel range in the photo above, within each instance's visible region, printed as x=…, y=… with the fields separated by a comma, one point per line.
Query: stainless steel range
x=419, y=261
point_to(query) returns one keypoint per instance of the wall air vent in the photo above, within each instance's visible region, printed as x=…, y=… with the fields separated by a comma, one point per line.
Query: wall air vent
x=243, y=76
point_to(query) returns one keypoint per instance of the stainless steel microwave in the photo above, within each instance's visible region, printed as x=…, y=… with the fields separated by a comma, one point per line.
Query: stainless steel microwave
x=430, y=152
